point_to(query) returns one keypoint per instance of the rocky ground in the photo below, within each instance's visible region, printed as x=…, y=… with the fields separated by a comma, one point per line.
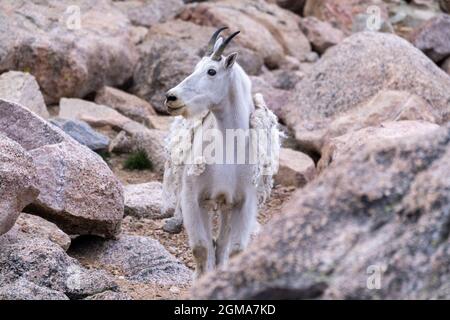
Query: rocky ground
x=361, y=89
x=176, y=244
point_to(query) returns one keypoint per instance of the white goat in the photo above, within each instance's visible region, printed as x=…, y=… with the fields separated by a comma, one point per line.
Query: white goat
x=217, y=95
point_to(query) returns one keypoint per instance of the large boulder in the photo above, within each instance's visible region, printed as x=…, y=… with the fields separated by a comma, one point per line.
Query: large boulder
x=68, y=59
x=147, y=13
x=373, y=226
x=33, y=265
x=266, y=29
x=386, y=105
x=350, y=74
x=140, y=259
x=78, y=191
x=354, y=141
x=433, y=38
x=22, y=88
x=18, y=182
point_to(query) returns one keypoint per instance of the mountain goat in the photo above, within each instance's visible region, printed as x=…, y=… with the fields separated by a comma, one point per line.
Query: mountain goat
x=222, y=154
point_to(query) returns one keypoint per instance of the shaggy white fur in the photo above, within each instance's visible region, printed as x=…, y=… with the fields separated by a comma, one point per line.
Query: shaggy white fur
x=179, y=145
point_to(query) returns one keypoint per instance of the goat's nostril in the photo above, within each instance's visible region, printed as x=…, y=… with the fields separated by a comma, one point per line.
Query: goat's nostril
x=171, y=97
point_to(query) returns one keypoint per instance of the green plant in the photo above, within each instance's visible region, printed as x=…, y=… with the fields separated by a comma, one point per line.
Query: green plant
x=104, y=154
x=138, y=161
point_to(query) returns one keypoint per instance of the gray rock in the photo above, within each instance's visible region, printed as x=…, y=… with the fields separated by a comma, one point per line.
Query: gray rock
x=141, y=259
x=122, y=143
x=276, y=99
x=173, y=225
x=283, y=79
x=22, y=88
x=144, y=200
x=335, y=86
x=390, y=131
x=295, y=168
x=18, y=181
x=127, y=104
x=320, y=34
x=407, y=17
x=83, y=133
x=78, y=191
x=147, y=13
x=35, y=226
x=22, y=289
x=382, y=212
x=25, y=259
x=152, y=142
x=433, y=38
x=68, y=59
x=97, y=115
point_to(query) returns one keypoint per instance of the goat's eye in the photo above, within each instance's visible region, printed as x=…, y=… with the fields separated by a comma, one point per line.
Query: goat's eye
x=212, y=72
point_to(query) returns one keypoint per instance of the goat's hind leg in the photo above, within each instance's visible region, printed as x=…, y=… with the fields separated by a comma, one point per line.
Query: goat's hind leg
x=197, y=222
x=223, y=239
x=242, y=222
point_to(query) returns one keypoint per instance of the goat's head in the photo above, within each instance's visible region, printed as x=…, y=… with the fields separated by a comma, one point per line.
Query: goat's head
x=208, y=85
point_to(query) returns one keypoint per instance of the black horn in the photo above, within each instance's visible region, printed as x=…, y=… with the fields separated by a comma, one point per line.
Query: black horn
x=212, y=41
x=218, y=53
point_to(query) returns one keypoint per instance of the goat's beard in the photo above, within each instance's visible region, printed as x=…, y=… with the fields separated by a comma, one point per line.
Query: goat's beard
x=194, y=110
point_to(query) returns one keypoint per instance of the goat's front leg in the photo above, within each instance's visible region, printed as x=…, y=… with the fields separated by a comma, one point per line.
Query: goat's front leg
x=242, y=223
x=197, y=223
x=223, y=240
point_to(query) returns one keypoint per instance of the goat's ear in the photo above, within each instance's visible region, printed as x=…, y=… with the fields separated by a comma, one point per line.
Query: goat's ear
x=230, y=59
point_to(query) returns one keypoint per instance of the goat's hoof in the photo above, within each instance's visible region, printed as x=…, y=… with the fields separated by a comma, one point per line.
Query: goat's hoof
x=235, y=252
x=173, y=225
